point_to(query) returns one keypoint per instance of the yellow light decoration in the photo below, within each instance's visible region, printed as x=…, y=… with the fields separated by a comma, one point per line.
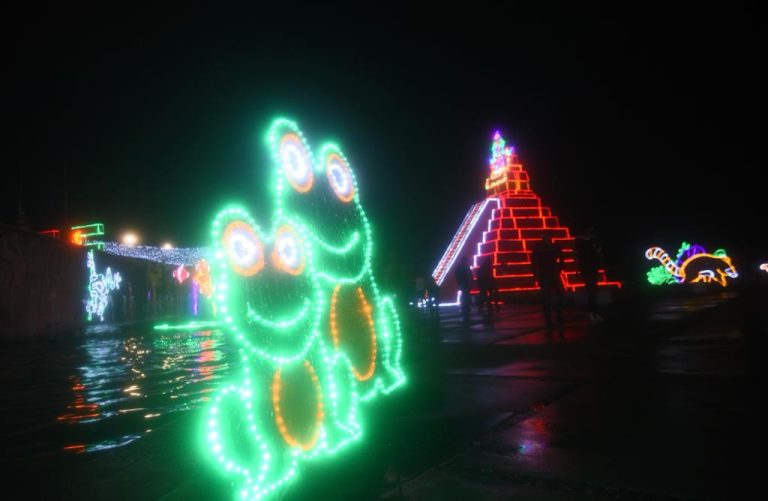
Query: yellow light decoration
x=202, y=277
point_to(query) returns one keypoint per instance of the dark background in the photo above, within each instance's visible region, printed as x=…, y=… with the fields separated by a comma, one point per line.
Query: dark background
x=645, y=122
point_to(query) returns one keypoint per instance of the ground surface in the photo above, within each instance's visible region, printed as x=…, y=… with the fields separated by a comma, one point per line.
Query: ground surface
x=654, y=403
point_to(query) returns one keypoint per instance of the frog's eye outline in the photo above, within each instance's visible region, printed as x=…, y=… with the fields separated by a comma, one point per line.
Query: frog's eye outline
x=288, y=254
x=296, y=162
x=243, y=248
x=340, y=177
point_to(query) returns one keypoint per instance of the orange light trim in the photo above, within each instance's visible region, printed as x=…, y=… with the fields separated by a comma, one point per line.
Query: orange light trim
x=348, y=197
x=246, y=271
x=334, y=326
x=296, y=140
x=280, y=421
x=77, y=237
x=683, y=266
x=366, y=309
x=202, y=277
x=368, y=312
x=278, y=261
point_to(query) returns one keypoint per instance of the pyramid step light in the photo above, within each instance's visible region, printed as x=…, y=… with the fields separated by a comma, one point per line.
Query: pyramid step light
x=505, y=228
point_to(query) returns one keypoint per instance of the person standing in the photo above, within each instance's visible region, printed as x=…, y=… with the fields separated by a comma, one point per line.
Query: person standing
x=590, y=257
x=484, y=279
x=547, y=259
x=493, y=290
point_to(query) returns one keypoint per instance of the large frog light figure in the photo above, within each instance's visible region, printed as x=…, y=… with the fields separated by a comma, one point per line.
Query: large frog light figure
x=316, y=337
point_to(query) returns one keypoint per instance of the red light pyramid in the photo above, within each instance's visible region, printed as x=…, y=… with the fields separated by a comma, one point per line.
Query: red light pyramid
x=504, y=228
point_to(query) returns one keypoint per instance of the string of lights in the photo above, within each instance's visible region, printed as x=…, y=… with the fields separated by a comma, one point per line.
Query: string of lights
x=173, y=256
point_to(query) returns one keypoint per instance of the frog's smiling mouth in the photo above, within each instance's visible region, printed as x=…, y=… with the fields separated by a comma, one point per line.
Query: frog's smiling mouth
x=338, y=249
x=285, y=323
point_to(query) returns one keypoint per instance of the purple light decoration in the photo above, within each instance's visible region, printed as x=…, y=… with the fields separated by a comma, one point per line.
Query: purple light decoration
x=691, y=251
x=500, y=153
x=194, y=298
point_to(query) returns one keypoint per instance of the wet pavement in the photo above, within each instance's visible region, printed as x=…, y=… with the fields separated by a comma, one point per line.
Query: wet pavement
x=654, y=403
x=104, y=388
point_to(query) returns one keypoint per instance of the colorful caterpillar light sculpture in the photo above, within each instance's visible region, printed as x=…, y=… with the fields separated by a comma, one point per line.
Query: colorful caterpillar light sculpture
x=693, y=266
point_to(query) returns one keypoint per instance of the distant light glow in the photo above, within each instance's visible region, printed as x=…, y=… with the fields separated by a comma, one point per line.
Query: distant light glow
x=167, y=246
x=130, y=239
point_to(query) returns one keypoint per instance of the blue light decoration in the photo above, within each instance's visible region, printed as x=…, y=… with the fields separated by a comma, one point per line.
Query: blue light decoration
x=317, y=338
x=692, y=265
x=175, y=256
x=99, y=287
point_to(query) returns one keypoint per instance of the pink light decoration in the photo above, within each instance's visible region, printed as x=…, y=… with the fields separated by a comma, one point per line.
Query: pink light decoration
x=180, y=274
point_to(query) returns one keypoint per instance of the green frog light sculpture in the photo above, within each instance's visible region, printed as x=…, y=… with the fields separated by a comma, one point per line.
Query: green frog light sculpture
x=317, y=338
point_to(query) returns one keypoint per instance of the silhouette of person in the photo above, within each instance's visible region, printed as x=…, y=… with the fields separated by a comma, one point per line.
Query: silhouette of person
x=433, y=291
x=493, y=290
x=463, y=276
x=590, y=258
x=486, y=283
x=547, y=258
x=418, y=290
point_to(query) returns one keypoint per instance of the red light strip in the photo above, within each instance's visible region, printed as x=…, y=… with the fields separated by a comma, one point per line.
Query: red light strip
x=514, y=228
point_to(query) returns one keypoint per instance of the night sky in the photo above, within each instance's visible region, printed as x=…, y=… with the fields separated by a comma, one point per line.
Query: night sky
x=643, y=123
